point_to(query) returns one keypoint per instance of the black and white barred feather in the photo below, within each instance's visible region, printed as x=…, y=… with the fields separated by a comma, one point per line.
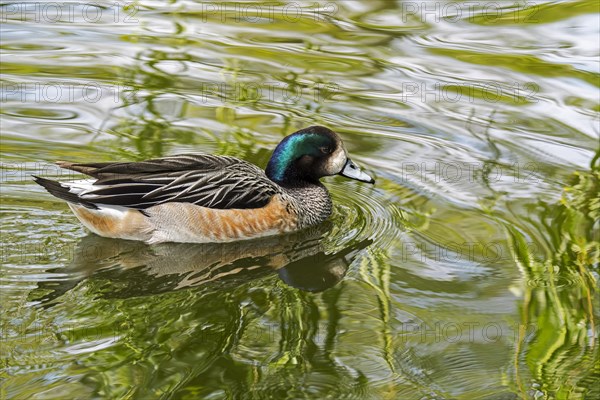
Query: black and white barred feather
x=219, y=182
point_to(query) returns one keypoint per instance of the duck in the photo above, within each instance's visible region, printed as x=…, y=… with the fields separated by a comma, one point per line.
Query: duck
x=205, y=198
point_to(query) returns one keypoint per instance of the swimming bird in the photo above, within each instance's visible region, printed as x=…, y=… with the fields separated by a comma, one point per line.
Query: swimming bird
x=202, y=198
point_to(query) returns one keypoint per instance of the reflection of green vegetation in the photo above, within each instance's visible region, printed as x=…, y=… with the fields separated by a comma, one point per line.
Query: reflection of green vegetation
x=146, y=132
x=523, y=63
x=561, y=353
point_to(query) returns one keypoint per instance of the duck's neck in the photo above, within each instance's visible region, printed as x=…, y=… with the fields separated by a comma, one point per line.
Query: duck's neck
x=312, y=202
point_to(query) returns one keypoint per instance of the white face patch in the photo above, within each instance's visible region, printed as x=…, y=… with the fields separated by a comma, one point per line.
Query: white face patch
x=337, y=160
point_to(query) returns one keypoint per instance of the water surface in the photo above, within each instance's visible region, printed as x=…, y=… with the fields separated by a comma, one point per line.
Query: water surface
x=468, y=271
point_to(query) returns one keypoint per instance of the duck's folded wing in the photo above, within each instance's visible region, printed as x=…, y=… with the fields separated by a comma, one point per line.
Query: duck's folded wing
x=205, y=180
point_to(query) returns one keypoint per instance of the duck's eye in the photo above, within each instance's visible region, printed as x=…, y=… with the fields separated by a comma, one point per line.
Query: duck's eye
x=325, y=150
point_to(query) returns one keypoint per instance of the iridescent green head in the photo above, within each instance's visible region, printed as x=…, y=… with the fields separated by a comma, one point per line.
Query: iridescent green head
x=310, y=154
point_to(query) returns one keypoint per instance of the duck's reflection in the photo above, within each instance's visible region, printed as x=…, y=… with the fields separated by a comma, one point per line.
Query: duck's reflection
x=299, y=259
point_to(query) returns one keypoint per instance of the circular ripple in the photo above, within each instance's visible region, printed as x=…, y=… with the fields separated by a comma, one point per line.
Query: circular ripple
x=362, y=213
x=42, y=113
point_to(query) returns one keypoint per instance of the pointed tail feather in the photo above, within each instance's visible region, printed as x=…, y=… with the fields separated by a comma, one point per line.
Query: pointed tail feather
x=62, y=192
x=88, y=169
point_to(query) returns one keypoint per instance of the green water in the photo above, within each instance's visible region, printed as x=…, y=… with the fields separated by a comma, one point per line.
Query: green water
x=468, y=271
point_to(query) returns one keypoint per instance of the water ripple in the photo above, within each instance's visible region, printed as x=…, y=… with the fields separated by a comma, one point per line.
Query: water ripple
x=361, y=213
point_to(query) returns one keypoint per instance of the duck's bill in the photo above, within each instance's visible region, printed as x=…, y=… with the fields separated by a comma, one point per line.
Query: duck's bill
x=352, y=171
